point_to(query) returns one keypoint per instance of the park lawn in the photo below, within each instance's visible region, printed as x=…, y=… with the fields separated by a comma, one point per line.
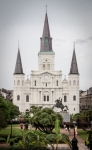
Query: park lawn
x=7, y=130
x=82, y=134
x=14, y=125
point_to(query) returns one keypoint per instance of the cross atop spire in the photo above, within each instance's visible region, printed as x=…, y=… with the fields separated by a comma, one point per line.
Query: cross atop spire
x=18, y=44
x=46, y=8
x=74, y=45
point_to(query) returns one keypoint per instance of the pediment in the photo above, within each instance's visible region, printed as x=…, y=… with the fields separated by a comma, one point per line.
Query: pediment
x=46, y=72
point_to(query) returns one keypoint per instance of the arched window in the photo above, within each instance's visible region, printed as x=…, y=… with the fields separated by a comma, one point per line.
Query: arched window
x=74, y=98
x=18, y=97
x=14, y=82
x=27, y=98
x=77, y=83
x=70, y=83
x=18, y=82
x=65, y=98
x=74, y=109
x=74, y=82
x=57, y=82
x=35, y=82
x=27, y=111
x=43, y=66
x=46, y=96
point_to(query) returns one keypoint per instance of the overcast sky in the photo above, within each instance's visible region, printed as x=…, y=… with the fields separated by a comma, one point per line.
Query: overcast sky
x=69, y=21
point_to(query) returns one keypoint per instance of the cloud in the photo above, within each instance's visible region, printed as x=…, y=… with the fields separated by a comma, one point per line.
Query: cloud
x=59, y=40
x=90, y=38
x=80, y=41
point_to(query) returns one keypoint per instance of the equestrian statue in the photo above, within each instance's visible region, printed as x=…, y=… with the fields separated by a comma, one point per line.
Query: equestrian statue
x=60, y=105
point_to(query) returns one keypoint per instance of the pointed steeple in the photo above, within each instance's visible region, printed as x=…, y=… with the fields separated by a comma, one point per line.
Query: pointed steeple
x=46, y=31
x=18, y=67
x=46, y=40
x=74, y=68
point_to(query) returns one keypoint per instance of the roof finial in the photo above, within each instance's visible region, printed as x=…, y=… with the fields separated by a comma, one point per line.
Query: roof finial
x=18, y=44
x=27, y=77
x=74, y=45
x=46, y=8
x=64, y=76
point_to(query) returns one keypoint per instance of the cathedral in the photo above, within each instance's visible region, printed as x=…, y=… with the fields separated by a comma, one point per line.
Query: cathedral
x=46, y=85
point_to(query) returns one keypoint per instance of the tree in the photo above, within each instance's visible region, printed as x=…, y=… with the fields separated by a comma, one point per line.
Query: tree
x=3, y=122
x=34, y=109
x=56, y=136
x=44, y=120
x=7, y=111
x=82, y=118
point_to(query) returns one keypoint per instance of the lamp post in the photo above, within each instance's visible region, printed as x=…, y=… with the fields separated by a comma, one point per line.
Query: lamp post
x=91, y=124
x=74, y=140
x=11, y=127
x=74, y=123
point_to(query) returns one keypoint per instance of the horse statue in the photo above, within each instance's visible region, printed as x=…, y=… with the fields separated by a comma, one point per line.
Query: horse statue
x=60, y=105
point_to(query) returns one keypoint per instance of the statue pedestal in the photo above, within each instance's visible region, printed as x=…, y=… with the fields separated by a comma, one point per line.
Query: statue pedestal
x=65, y=114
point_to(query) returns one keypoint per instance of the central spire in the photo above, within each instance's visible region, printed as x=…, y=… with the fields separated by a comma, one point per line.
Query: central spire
x=46, y=40
x=46, y=32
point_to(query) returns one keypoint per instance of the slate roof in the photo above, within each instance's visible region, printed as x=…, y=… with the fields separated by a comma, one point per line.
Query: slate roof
x=46, y=34
x=18, y=67
x=74, y=68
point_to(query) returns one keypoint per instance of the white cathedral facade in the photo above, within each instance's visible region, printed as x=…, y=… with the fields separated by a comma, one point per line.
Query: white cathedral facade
x=46, y=84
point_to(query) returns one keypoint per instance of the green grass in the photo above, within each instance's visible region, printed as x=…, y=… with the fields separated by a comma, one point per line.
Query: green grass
x=7, y=130
x=16, y=125
x=82, y=134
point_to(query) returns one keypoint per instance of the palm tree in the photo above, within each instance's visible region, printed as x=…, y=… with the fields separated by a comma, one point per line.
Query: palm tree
x=57, y=137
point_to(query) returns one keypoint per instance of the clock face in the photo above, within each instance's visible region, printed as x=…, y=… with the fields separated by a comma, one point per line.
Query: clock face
x=46, y=77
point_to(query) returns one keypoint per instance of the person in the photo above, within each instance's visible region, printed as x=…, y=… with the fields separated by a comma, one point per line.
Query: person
x=21, y=125
x=68, y=129
x=64, y=125
x=76, y=133
x=26, y=125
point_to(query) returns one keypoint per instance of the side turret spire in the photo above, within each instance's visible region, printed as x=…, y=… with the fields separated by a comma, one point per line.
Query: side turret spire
x=74, y=68
x=46, y=40
x=18, y=67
